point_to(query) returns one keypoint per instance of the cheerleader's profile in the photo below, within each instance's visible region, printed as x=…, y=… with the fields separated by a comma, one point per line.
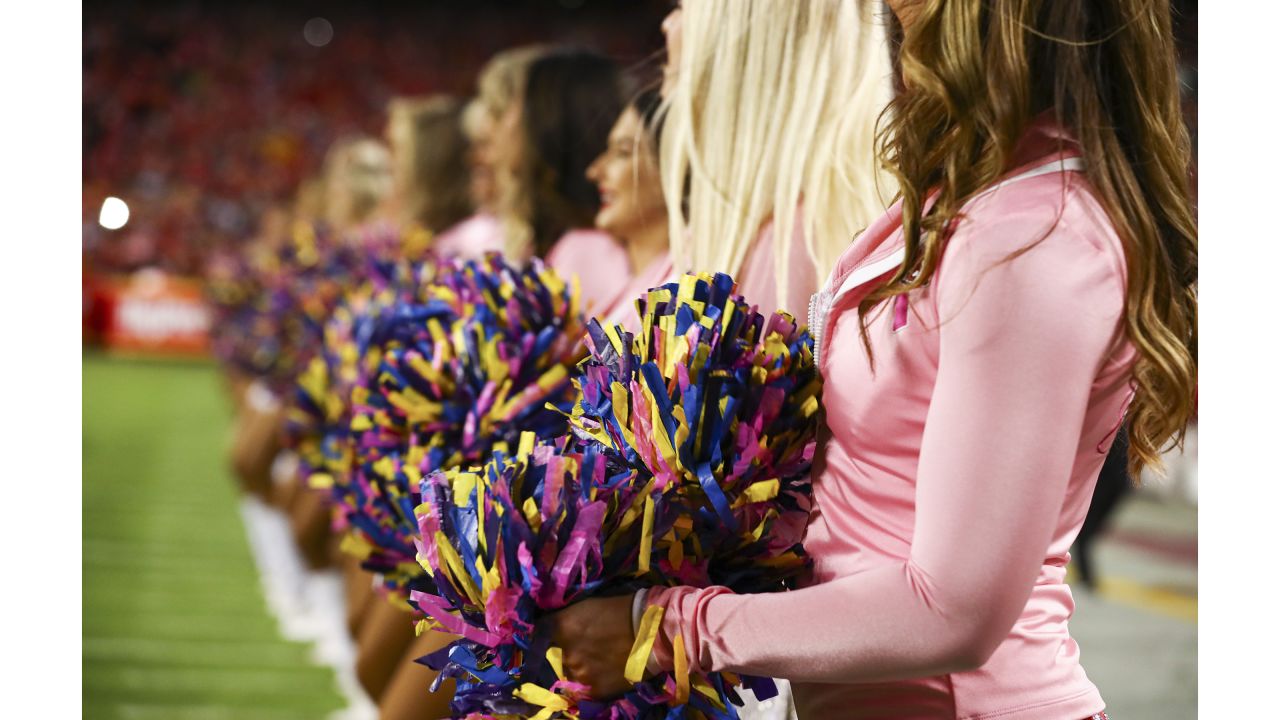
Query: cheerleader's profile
x=542, y=146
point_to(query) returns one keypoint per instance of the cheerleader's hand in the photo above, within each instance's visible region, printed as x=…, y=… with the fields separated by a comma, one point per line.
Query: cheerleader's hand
x=596, y=637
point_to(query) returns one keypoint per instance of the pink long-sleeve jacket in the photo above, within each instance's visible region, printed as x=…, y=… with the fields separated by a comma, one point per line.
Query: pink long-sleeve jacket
x=470, y=239
x=758, y=279
x=953, y=473
x=622, y=309
x=598, y=262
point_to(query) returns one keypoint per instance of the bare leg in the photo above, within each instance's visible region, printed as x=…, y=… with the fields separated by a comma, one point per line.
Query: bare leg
x=237, y=384
x=311, y=519
x=285, y=494
x=385, y=635
x=360, y=594
x=409, y=695
x=253, y=448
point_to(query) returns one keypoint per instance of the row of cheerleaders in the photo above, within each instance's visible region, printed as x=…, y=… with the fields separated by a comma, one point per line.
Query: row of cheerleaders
x=483, y=452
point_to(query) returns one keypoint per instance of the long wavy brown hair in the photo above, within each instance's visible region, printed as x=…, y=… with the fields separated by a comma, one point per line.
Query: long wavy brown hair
x=974, y=74
x=570, y=99
x=433, y=152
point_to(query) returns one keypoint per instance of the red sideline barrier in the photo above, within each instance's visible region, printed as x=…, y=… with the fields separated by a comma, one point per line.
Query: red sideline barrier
x=149, y=313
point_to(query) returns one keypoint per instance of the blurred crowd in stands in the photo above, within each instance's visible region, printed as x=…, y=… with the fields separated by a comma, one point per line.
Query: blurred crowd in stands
x=203, y=116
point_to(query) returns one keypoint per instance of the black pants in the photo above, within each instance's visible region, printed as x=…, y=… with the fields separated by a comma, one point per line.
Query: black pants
x=1113, y=485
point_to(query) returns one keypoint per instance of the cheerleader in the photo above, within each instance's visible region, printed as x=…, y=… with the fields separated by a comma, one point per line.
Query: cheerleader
x=542, y=146
x=357, y=180
x=294, y=549
x=429, y=159
x=360, y=180
x=981, y=343
x=555, y=125
x=768, y=150
x=497, y=86
x=428, y=156
x=632, y=207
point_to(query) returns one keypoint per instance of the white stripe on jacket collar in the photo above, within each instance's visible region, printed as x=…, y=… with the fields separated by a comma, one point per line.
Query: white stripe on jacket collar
x=821, y=302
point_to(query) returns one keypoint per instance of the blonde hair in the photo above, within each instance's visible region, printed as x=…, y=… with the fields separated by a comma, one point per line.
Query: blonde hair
x=500, y=83
x=775, y=104
x=434, y=158
x=357, y=179
x=308, y=201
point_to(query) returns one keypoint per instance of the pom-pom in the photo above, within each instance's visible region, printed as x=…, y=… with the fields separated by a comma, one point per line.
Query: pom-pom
x=272, y=304
x=688, y=466
x=473, y=361
x=720, y=404
x=318, y=420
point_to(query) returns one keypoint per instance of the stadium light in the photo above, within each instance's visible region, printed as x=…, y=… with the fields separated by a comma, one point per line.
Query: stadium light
x=114, y=213
x=317, y=32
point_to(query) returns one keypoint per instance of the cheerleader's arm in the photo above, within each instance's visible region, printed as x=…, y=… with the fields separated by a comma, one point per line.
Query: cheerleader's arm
x=1021, y=341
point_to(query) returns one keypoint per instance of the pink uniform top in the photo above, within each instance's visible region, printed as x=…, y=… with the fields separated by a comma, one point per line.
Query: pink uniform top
x=758, y=279
x=622, y=309
x=951, y=480
x=598, y=262
x=471, y=238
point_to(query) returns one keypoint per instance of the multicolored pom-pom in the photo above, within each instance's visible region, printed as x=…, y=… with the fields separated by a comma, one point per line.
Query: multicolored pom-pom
x=720, y=403
x=318, y=420
x=688, y=465
x=474, y=360
x=270, y=310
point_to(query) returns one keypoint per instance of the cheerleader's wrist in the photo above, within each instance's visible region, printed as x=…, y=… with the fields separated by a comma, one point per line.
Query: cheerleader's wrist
x=639, y=603
x=681, y=608
x=637, y=609
x=261, y=398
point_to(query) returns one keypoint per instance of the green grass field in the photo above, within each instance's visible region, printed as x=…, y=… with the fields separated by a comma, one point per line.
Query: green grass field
x=175, y=626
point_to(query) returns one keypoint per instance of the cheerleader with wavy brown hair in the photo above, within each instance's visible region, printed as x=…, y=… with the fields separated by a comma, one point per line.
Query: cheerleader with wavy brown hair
x=498, y=87
x=543, y=145
x=981, y=343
